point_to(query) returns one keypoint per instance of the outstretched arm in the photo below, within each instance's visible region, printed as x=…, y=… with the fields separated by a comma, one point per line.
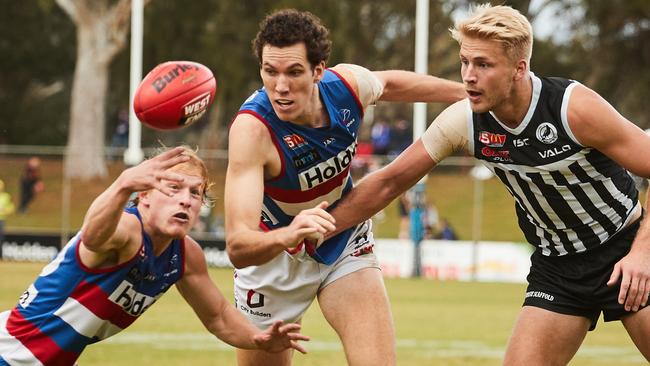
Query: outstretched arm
x=376, y=190
x=399, y=86
x=106, y=227
x=221, y=318
x=407, y=86
x=446, y=134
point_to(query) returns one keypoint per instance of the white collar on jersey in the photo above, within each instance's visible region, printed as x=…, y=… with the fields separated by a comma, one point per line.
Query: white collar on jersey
x=537, y=88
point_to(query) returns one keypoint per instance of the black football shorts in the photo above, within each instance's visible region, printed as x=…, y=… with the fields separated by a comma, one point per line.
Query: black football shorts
x=577, y=284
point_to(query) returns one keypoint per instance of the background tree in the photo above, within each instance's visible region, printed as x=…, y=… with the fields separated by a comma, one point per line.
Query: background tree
x=102, y=27
x=605, y=45
x=38, y=51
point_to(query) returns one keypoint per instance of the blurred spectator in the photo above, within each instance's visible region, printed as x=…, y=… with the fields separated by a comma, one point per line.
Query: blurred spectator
x=121, y=135
x=6, y=209
x=403, y=207
x=445, y=231
x=30, y=183
x=362, y=160
x=401, y=137
x=430, y=220
x=202, y=225
x=380, y=137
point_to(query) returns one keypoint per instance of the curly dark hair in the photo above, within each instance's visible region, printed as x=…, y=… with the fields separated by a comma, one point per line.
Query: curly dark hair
x=288, y=27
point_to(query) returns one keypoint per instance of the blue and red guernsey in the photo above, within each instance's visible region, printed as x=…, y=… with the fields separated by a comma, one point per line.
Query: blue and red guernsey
x=315, y=161
x=70, y=306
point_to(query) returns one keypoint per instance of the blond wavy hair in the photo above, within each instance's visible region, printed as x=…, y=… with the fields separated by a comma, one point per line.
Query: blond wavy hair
x=498, y=23
x=195, y=166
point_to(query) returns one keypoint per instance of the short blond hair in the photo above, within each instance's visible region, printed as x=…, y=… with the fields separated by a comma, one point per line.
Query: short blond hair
x=194, y=166
x=498, y=23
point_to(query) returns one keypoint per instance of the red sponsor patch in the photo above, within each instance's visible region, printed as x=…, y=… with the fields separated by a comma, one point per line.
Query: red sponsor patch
x=491, y=139
x=294, y=141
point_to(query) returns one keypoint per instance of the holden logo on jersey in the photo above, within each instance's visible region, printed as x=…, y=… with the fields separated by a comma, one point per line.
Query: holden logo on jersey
x=546, y=133
x=492, y=139
x=294, y=141
x=328, y=169
x=131, y=301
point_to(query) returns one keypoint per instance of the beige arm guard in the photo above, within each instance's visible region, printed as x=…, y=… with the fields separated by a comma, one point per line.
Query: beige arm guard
x=370, y=88
x=449, y=132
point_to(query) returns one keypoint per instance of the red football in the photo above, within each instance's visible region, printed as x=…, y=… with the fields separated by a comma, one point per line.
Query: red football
x=174, y=94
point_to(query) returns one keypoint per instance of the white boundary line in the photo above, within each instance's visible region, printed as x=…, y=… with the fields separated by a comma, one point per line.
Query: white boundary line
x=428, y=348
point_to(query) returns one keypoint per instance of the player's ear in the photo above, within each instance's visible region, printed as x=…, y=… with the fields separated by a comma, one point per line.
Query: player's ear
x=319, y=70
x=521, y=69
x=143, y=197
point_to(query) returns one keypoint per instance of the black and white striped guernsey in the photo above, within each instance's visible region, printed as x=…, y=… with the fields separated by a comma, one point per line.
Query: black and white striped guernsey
x=568, y=198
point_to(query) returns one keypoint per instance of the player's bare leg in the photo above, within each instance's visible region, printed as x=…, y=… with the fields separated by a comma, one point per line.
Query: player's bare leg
x=544, y=338
x=357, y=307
x=246, y=357
x=638, y=327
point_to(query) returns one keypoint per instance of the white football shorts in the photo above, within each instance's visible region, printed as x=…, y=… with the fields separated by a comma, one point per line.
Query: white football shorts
x=283, y=288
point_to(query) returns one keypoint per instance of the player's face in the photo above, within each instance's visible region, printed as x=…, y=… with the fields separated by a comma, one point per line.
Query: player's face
x=290, y=81
x=487, y=72
x=173, y=216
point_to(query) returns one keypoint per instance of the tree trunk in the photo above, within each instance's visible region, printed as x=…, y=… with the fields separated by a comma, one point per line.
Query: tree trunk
x=102, y=26
x=85, y=154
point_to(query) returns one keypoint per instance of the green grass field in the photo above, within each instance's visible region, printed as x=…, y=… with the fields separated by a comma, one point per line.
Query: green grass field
x=437, y=323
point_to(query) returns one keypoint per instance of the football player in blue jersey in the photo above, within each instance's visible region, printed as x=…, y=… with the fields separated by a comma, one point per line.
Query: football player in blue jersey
x=562, y=151
x=121, y=262
x=290, y=149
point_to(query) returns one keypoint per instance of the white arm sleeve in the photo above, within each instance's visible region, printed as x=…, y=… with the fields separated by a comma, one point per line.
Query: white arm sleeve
x=370, y=87
x=448, y=133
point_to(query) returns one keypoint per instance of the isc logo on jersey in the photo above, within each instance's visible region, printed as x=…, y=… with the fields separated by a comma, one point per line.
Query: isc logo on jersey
x=195, y=108
x=131, y=301
x=328, y=169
